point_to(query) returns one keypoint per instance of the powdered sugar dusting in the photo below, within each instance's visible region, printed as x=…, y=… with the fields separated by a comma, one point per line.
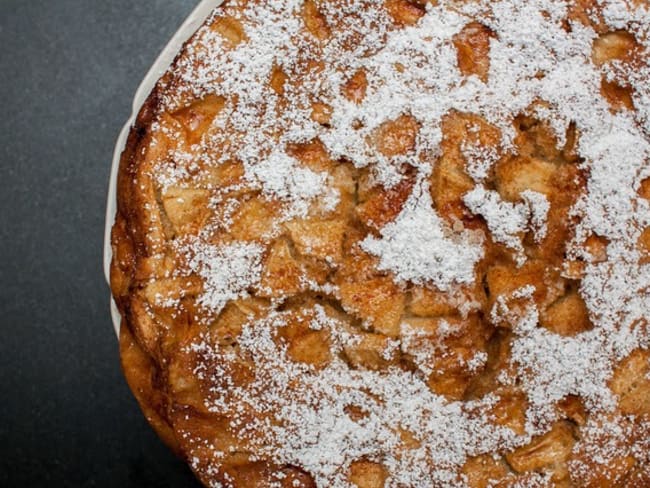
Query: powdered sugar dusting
x=228, y=271
x=506, y=221
x=419, y=247
x=279, y=176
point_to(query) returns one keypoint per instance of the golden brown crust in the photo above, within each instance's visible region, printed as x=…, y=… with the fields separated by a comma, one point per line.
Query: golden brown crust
x=140, y=374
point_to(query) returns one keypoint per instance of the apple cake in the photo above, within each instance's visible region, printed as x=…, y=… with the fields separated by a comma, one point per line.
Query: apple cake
x=395, y=243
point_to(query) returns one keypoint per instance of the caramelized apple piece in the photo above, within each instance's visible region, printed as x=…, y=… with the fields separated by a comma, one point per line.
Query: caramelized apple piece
x=319, y=238
x=549, y=451
x=281, y=273
x=631, y=382
x=321, y=113
x=481, y=471
x=377, y=301
x=186, y=209
x=315, y=21
x=355, y=88
x=397, y=137
x=568, y=316
x=613, y=45
x=230, y=29
x=517, y=175
x=197, y=117
x=277, y=81
x=405, y=12
x=370, y=351
x=473, y=47
x=366, y=474
x=619, y=97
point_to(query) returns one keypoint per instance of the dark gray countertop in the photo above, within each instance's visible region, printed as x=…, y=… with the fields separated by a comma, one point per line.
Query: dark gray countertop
x=68, y=71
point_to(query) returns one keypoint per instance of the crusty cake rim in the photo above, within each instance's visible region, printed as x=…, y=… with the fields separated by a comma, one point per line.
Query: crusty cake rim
x=164, y=61
x=131, y=160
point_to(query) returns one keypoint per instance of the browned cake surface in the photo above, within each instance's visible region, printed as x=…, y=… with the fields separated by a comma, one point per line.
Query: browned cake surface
x=395, y=244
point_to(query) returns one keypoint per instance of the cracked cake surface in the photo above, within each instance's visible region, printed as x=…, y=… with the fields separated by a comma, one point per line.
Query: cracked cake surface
x=395, y=243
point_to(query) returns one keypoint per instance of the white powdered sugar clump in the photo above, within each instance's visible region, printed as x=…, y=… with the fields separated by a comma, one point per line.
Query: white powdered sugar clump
x=418, y=246
x=171, y=173
x=508, y=221
x=279, y=175
x=228, y=271
x=480, y=160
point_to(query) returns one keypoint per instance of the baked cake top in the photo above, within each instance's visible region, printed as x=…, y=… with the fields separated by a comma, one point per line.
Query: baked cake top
x=395, y=243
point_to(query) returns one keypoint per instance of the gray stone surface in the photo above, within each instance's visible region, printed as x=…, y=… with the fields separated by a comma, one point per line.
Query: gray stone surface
x=68, y=71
